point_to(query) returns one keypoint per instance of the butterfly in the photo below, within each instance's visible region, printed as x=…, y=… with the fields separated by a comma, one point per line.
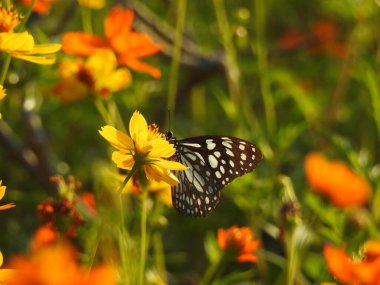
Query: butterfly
x=213, y=162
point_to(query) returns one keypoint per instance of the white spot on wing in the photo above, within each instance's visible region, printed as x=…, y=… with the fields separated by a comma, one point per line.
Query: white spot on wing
x=243, y=156
x=191, y=144
x=217, y=153
x=226, y=144
x=212, y=160
x=229, y=152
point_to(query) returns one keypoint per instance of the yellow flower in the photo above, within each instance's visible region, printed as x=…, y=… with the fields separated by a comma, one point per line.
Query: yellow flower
x=2, y=94
x=21, y=45
x=160, y=189
x=92, y=4
x=4, y=273
x=2, y=193
x=99, y=74
x=9, y=19
x=145, y=146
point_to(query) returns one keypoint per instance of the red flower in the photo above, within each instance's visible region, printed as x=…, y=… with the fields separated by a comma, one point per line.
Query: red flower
x=240, y=242
x=128, y=45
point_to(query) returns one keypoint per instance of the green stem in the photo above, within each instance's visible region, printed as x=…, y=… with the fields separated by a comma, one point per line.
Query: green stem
x=143, y=237
x=232, y=68
x=262, y=61
x=4, y=71
x=86, y=20
x=21, y=26
x=213, y=270
x=174, y=67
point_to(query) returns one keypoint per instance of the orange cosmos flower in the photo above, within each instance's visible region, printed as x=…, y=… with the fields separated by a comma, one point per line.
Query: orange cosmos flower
x=239, y=242
x=365, y=271
x=336, y=181
x=57, y=264
x=98, y=76
x=326, y=32
x=41, y=6
x=44, y=235
x=128, y=45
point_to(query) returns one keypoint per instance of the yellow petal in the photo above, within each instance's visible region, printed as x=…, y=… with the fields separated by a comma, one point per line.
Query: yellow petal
x=118, y=139
x=102, y=62
x=1, y=259
x=161, y=148
x=5, y=274
x=124, y=161
x=3, y=93
x=10, y=42
x=116, y=80
x=168, y=164
x=92, y=4
x=44, y=49
x=138, y=128
x=39, y=59
x=156, y=173
x=2, y=190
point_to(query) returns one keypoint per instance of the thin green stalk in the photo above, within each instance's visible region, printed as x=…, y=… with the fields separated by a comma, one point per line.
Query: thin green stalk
x=21, y=26
x=143, y=236
x=174, y=67
x=159, y=255
x=4, y=70
x=213, y=270
x=262, y=61
x=7, y=3
x=87, y=20
x=123, y=232
x=232, y=68
x=99, y=104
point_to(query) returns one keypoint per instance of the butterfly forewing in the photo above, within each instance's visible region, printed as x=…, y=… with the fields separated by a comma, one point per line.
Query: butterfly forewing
x=213, y=162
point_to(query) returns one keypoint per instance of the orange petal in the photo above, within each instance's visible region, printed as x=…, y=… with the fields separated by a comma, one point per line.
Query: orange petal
x=118, y=24
x=137, y=65
x=7, y=206
x=249, y=257
x=339, y=263
x=82, y=44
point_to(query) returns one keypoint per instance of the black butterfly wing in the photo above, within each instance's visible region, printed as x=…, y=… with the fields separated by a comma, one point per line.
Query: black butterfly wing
x=213, y=162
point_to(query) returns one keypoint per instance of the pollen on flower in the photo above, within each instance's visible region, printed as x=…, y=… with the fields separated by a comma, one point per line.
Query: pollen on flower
x=9, y=19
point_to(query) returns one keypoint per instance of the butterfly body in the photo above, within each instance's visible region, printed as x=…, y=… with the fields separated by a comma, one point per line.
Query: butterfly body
x=213, y=162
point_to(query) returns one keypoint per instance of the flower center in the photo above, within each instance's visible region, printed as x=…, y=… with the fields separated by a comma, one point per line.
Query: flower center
x=85, y=76
x=9, y=19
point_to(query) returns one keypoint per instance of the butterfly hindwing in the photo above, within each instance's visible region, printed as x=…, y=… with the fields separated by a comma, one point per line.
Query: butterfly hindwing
x=213, y=161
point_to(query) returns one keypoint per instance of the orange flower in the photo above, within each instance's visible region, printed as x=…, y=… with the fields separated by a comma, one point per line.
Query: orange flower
x=44, y=235
x=58, y=265
x=128, y=45
x=41, y=7
x=336, y=181
x=88, y=200
x=240, y=242
x=348, y=271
